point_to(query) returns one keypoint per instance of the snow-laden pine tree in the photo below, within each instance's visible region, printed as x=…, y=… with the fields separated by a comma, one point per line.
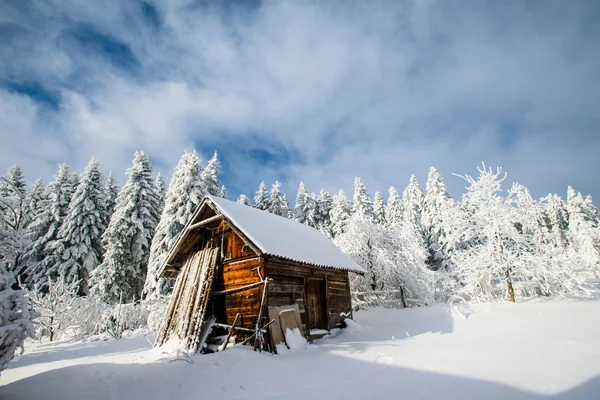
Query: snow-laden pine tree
x=340, y=213
x=555, y=209
x=261, y=199
x=36, y=200
x=323, y=217
x=277, y=203
x=78, y=248
x=290, y=213
x=111, y=191
x=128, y=237
x=584, y=231
x=306, y=207
x=15, y=178
x=379, y=208
x=436, y=203
x=210, y=176
x=15, y=319
x=393, y=210
x=185, y=193
x=44, y=230
x=13, y=219
x=243, y=199
x=361, y=202
x=161, y=190
x=413, y=200
x=223, y=192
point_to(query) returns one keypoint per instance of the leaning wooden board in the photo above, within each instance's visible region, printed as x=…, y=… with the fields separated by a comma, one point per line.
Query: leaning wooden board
x=275, y=329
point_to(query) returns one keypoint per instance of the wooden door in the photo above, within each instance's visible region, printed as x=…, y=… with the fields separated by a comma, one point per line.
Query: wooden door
x=315, y=296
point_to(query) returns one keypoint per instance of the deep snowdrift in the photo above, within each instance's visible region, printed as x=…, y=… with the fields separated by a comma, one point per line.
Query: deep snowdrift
x=530, y=350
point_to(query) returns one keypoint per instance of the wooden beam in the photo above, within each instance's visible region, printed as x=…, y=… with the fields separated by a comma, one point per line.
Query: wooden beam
x=203, y=222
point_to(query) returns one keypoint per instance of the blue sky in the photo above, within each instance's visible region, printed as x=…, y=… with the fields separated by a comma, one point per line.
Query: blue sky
x=307, y=90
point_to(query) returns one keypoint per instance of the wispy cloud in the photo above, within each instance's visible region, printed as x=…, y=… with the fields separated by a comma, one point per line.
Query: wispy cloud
x=307, y=90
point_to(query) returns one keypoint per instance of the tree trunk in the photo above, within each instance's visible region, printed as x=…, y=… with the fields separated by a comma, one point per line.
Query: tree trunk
x=51, y=329
x=509, y=285
x=402, y=296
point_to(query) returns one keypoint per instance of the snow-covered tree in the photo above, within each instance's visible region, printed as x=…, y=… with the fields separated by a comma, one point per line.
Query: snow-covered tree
x=185, y=193
x=394, y=259
x=322, y=216
x=497, y=249
x=210, y=176
x=584, y=231
x=412, y=202
x=277, y=203
x=340, y=213
x=394, y=211
x=437, y=201
x=306, y=207
x=261, y=200
x=243, y=199
x=111, y=192
x=36, y=200
x=286, y=203
x=555, y=209
x=361, y=202
x=53, y=306
x=379, y=208
x=161, y=190
x=128, y=237
x=44, y=230
x=223, y=192
x=15, y=319
x=78, y=248
x=15, y=178
x=13, y=221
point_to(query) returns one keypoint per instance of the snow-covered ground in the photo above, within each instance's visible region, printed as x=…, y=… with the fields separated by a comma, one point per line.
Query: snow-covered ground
x=530, y=350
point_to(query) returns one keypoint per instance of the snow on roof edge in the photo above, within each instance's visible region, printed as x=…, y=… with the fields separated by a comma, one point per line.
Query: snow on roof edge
x=348, y=264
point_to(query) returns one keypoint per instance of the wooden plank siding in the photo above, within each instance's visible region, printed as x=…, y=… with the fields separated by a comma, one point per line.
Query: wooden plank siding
x=289, y=279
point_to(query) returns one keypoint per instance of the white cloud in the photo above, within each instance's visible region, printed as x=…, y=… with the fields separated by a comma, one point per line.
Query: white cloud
x=380, y=90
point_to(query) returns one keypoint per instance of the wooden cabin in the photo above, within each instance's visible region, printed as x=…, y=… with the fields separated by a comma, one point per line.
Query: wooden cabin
x=251, y=267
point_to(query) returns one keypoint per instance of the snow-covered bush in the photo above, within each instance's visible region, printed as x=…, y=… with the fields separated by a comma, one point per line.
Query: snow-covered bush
x=15, y=319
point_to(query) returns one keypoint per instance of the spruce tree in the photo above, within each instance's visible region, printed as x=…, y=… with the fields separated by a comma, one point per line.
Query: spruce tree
x=323, y=218
x=128, y=237
x=161, y=189
x=111, y=191
x=185, y=193
x=413, y=200
x=277, y=203
x=14, y=176
x=379, y=208
x=44, y=230
x=261, y=200
x=243, y=199
x=36, y=199
x=584, y=233
x=13, y=218
x=223, y=193
x=394, y=211
x=436, y=203
x=361, y=202
x=306, y=207
x=210, y=176
x=340, y=214
x=78, y=249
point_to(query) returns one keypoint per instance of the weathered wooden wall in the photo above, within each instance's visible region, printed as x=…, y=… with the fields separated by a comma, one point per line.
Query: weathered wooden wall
x=290, y=280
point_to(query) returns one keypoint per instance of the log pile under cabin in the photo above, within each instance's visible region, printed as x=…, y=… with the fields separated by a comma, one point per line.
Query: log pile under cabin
x=245, y=275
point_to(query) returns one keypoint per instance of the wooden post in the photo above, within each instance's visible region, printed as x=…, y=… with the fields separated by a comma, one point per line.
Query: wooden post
x=231, y=331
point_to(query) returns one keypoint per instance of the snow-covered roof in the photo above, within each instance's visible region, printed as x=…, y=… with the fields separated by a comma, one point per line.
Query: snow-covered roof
x=285, y=238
